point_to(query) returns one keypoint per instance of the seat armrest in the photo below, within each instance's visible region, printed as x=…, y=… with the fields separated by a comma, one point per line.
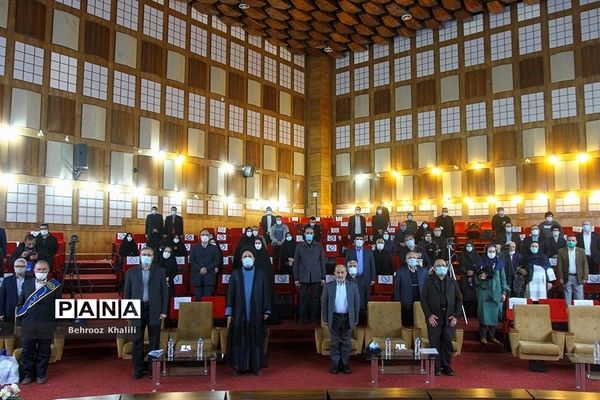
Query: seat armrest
x=173, y=334
x=59, y=345
x=223, y=333
x=319, y=339
x=514, y=336
x=459, y=335
x=215, y=336
x=120, y=344
x=569, y=342
x=558, y=338
x=407, y=335
x=164, y=338
x=360, y=337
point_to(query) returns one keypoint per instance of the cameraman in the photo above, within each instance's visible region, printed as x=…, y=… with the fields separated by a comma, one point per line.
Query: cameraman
x=492, y=291
x=27, y=249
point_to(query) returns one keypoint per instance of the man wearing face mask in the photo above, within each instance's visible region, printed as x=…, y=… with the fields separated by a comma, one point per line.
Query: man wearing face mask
x=535, y=237
x=316, y=228
x=409, y=283
x=365, y=277
x=248, y=306
x=547, y=224
x=154, y=227
x=492, y=291
x=379, y=223
x=266, y=222
x=517, y=276
x=507, y=235
x=9, y=297
x=411, y=224
x=400, y=237
x=499, y=221
x=410, y=246
x=204, y=259
x=441, y=303
x=554, y=242
x=572, y=269
x=340, y=304
x=27, y=249
x=277, y=234
x=36, y=316
x=357, y=224
x=384, y=264
x=446, y=222
x=149, y=285
x=590, y=242
x=309, y=276
x=47, y=245
x=174, y=223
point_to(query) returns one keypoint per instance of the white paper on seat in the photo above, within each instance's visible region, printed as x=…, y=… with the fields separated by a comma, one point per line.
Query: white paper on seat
x=583, y=302
x=515, y=300
x=180, y=260
x=225, y=278
x=282, y=279
x=550, y=274
x=178, y=300
x=385, y=279
x=594, y=278
x=429, y=350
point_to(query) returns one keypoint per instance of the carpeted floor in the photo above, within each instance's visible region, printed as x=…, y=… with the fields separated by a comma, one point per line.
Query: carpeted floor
x=293, y=367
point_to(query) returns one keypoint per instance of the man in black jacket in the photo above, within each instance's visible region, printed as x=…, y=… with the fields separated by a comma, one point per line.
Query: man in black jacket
x=154, y=228
x=446, y=222
x=357, y=225
x=11, y=289
x=148, y=284
x=173, y=223
x=441, y=302
x=590, y=242
x=205, y=261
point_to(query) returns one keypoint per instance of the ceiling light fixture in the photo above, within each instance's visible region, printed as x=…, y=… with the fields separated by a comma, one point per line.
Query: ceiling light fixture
x=243, y=5
x=406, y=17
x=328, y=49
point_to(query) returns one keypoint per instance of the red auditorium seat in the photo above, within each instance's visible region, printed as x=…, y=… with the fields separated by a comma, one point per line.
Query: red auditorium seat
x=558, y=309
x=219, y=305
x=139, y=238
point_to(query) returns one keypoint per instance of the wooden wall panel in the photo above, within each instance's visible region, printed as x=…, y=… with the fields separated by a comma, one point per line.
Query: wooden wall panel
x=451, y=151
x=343, y=109
x=269, y=187
x=97, y=40
x=194, y=178
x=237, y=87
x=298, y=108
x=344, y=192
x=152, y=58
x=564, y=138
x=382, y=101
x=385, y=188
x=24, y=156
x=429, y=186
x=197, y=74
x=298, y=196
x=96, y=164
x=270, y=98
x=61, y=115
x=123, y=128
x=426, y=91
x=236, y=185
x=253, y=153
x=534, y=178
x=30, y=19
x=217, y=146
x=405, y=156
x=285, y=161
x=505, y=146
x=362, y=162
x=531, y=72
x=478, y=182
x=593, y=174
x=174, y=139
x=590, y=52
x=148, y=172
x=475, y=83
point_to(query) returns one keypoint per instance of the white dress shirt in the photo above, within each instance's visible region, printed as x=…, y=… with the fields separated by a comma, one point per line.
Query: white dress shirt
x=39, y=284
x=587, y=243
x=572, y=265
x=20, y=284
x=357, y=225
x=341, y=299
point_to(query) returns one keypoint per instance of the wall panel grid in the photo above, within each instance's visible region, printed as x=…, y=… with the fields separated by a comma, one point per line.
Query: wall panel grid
x=484, y=77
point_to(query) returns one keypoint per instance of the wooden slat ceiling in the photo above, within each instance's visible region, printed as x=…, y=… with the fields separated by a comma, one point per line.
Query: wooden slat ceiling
x=311, y=26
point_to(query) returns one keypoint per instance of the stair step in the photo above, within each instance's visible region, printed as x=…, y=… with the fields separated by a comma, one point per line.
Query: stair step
x=95, y=270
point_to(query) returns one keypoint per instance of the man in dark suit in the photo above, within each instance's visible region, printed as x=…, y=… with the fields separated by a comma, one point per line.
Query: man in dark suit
x=507, y=235
x=315, y=227
x=205, y=261
x=446, y=222
x=407, y=288
x=36, y=317
x=516, y=273
x=266, y=222
x=27, y=249
x=365, y=271
x=147, y=283
x=499, y=221
x=154, y=228
x=3, y=245
x=590, y=242
x=441, y=302
x=340, y=304
x=357, y=225
x=379, y=223
x=173, y=223
x=554, y=242
x=572, y=269
x=9, y=296
x=47, y=245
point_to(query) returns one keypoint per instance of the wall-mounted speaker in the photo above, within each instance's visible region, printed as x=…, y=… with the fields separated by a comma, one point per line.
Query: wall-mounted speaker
x=80, y=156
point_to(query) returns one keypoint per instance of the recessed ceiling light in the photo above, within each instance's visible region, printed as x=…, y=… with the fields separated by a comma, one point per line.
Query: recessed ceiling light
x=243, y=6
x=406, y=17
x=328, y=49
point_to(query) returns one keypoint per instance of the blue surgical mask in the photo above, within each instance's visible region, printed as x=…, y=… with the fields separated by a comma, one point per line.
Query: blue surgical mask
x=441, y=271
x=410, y=242
x=386, y=237
x=412, y=262
x=534, y=250
x=308, y=237
x=146, y=260
x=248, y=262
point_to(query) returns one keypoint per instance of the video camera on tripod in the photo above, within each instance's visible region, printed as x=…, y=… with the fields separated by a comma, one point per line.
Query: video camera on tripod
x=72, y=267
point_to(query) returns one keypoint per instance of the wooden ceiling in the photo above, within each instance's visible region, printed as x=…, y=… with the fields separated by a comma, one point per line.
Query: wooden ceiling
x=311, y=26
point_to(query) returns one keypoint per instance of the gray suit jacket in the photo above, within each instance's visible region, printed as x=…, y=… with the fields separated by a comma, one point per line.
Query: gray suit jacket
x=158, y=293
x=328, y=302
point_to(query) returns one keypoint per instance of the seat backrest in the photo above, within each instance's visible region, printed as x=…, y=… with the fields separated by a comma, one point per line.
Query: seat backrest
x=584, y=323
x=385, y=318
x=419, y=319
x=533, y=322
x=195, y=320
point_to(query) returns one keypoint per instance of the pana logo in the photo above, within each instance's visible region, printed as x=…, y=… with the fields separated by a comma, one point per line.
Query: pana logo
x=97, y=309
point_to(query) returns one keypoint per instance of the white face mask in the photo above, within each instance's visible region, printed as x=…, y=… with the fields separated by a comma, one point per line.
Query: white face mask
x=268, y=212
x=258, y=246
x=469, y=248
x=425, y=226
x=20, y=271
x=380, y=246
x=289, y=238
x=491, y=254
x=41, y=276
x=555, y=234
x=359, y=243
x=204, y=239
x=508, y=229
x=357, y=212
x=549, y=219
x=255, y=233
x=278, y=222
x=166, y=254
x=379, y=212
x=129, y=238
x=44, y=232
x=249, y=234
x=535, y=232
x=353, y=271
x=437, y=233
x=175, y=240
x=445, y=214
x=173, y=213
x=154, y=212
x=409, y=218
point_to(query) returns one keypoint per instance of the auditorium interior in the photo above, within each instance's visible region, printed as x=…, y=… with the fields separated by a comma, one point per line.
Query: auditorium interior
x=222, y=108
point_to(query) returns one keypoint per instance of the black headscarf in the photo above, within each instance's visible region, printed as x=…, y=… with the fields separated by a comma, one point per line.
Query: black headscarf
x=127, y=248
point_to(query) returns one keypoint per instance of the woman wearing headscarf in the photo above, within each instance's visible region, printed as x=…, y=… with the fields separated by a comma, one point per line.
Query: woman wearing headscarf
x=246, y=241
x=430, y=247
x=167, y=260
x=128, y=248
x=383, y=259
x=423, y=229
x=539, y=273
x=286, y=255
x=263, y=261
x=468, y=266
x=491, y=293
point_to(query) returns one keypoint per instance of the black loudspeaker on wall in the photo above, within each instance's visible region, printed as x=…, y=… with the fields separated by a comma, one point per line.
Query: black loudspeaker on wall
x=80, y=156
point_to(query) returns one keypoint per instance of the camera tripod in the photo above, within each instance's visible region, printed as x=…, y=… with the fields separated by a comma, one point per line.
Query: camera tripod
x=451, y=255
x=72, y=271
